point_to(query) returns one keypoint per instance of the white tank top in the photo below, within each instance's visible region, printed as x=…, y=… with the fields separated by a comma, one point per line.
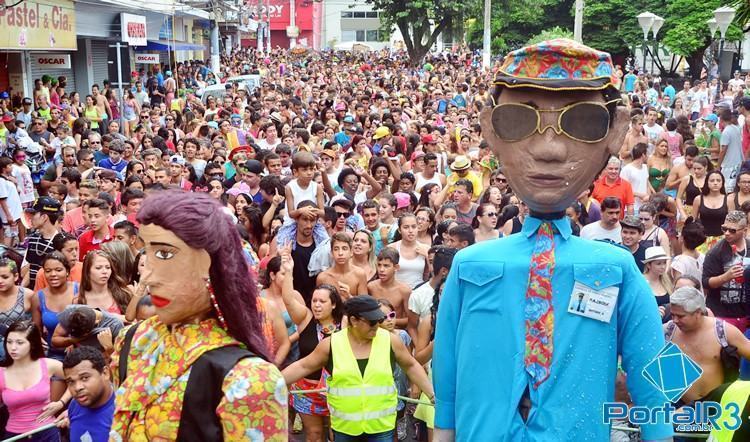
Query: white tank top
x=421, y=181
x=410, y=271
x=301, y=194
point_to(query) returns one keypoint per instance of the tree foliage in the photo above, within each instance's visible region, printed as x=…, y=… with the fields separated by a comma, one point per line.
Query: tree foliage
x=688, y=34
x=743, y=13
x=612, y=26
x=420, y=21
x=513, y=22
x=549, y=34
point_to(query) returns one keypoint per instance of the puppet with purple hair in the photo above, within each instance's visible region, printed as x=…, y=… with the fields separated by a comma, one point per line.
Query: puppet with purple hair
x=199, y=369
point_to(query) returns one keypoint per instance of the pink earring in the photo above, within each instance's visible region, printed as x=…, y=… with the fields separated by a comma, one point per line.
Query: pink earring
x=215, y=304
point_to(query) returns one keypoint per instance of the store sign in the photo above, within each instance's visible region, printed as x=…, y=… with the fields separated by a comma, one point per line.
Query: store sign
x=133, y=29
x=52, y=60
x=38, y=24
x=279, y=10
x=147, y=58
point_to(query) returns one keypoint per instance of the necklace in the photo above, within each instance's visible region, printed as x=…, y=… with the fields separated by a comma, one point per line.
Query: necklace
x=326, y=330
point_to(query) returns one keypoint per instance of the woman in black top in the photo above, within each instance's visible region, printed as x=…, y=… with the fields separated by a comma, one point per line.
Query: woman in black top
x=691, y=185
x=710, y=208
x=327, y=310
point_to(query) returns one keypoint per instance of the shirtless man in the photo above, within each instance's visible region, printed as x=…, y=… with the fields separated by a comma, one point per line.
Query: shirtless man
x=101, y=103
x=696, y=335
x=388, y=288
x=679, y=172
x=350, y=280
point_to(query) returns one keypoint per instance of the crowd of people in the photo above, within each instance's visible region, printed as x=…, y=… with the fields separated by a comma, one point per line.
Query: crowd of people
x=352, y=181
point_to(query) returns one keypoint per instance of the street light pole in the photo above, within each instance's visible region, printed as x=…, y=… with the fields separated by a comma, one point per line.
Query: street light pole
x=724, y=17
x=657, y=24
x=645, y=21
x=487, y=35
x=578, y=22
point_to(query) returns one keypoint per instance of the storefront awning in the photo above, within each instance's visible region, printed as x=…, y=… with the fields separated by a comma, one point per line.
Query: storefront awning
x=169, y=45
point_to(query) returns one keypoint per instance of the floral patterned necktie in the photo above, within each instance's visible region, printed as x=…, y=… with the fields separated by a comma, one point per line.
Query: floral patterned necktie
x=538, y=314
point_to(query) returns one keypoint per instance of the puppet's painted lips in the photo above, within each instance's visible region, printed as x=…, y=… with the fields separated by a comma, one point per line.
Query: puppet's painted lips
x=159, y=302
x=546, y=180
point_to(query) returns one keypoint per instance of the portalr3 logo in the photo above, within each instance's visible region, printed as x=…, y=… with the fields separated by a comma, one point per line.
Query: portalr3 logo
x=672, y=372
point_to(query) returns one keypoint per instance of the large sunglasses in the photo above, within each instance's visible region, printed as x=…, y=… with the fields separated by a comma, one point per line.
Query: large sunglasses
x=585, y=121
x=374, y=322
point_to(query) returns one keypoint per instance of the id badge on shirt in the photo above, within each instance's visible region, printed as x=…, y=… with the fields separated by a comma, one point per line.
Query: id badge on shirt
x=593, y=304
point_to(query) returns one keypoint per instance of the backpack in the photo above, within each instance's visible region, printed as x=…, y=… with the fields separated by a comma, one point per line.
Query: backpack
x=198, y=420
x=730, y=359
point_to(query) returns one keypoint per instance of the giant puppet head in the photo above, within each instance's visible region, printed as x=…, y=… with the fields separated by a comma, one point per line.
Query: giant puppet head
x=555, y=120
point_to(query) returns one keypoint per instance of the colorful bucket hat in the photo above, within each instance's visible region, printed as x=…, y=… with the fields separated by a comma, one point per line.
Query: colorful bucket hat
x=559, y=64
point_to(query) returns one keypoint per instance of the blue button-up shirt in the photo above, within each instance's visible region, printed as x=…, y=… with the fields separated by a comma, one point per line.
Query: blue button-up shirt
x=478, y=363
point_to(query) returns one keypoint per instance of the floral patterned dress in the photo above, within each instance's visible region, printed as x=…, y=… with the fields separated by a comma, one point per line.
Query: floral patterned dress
x=148, y=404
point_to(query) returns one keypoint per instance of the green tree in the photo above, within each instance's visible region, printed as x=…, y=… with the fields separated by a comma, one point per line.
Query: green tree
x=743, y=13
x=612, y=26
x=549, y=34
x=420, y=21
x=688, y=34
x=514, y=22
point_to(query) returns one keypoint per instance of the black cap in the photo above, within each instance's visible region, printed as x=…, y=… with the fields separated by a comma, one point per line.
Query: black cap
x=254, y=166
x=745, y=102
x=45, y=204
x=365, y=307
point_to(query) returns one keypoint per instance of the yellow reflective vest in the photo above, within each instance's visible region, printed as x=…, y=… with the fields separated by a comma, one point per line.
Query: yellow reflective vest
x=362, y=404
x=737, y=394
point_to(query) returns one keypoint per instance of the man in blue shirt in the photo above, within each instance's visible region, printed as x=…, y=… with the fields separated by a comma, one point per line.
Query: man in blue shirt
x=495, y=380
x=114, y=161
x=670, y=92
x=628, y=82
x=93, y=406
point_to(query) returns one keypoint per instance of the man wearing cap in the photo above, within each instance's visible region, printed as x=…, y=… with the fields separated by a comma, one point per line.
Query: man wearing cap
x=44, y=215
x=250, y=174
x=381, y=137
x=176, y=172
x=362, y=406
x=15, y=133
x=631, y=232
x=505, y=304
x=345, y=135
x=461, y=167
x=25, y=114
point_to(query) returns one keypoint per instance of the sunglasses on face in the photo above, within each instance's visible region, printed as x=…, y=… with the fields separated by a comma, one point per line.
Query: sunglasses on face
x=586, y=121
x=490, y=214
x=373, y=322
x=390, y=315
x=343, y=214
x=501, y=180
x=729, y=230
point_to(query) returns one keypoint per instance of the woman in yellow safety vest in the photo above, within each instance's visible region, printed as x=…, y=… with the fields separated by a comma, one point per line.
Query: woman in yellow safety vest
x=362, y=394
